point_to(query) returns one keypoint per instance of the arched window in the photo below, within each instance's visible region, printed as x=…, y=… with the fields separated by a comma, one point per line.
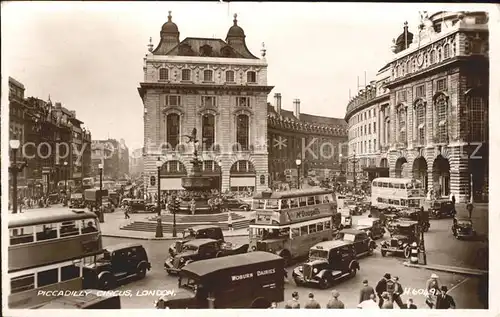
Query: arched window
x=208, y=75
x=446, y=51
x=433, y=57
x=477, y=119
x=242, y=131
x=173, y=129
x=401, y=133
x=441, y=105
x=208, y=130
x=420, y=122
x=408, y=67
x=163, y=74
x=230, y=76
x=186, y=74
x=251, y=77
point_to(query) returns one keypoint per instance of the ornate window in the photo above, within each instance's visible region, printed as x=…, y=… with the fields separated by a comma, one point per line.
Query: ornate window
x=251, y=77
x=420, y=91
x=163, y=74
x=477, y=119
x=208, y=75
x=242, y=131
x=446, y=51
x=401, y=133
x=208, y=130
x=441, y=105
x=186, y=74
x=230, y=76
x=208, y=102
x=432, y=57
x=408, y=67
x=243, y=102
x=206, y=50
x=173, y=129
x=402, y=95
x=441, y=84
x=420, y=122
x=173, y=100
x=374, y=127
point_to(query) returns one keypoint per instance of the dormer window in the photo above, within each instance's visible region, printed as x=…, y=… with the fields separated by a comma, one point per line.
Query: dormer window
x=251, y=77
x=186, y=74
x=208, y=76
x=206, y=50
x=163, y=74
x=230, y=76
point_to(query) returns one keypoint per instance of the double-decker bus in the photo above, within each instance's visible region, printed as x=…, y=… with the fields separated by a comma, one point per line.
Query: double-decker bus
x=397, y=192
x=290, y=223
x=46, y=252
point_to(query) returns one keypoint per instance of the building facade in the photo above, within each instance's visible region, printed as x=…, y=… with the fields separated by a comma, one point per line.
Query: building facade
x=49, y=144
x=437, y=116
x=218, y=88
x=317, y=141
x=136, y=163
x=113, y=155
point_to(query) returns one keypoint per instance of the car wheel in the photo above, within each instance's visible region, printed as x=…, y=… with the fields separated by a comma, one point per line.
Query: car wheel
x=141, y=273
x=219, y=254
x=352, y=272
x=324, y=283
x=370, y=250
x=383, y=252
x=407, y=252
x=107, y=282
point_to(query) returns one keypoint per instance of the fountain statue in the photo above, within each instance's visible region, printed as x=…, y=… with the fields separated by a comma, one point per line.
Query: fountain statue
x=198, y=188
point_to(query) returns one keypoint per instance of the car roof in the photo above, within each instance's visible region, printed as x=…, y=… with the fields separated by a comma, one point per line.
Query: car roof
x=121, y=246
x=328, y=245
x=202, y=268
x=406, y=223
x=202, y=227
x=352, y=231
x=198, y=242
x=41, y=217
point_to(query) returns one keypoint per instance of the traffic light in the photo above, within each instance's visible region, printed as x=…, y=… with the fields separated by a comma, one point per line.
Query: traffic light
x=176, y=205
x=152, y=180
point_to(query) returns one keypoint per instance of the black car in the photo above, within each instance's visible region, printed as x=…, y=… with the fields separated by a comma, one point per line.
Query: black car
x=201, y=249
x=196, y=232
x=328, y=262
x=362, y=243
x=414, y=214
x=403, y=235
x=441, y=208
x=462, y=228
x=237, y=204
x=137, y=205
x=117, y=263
x=372, y=226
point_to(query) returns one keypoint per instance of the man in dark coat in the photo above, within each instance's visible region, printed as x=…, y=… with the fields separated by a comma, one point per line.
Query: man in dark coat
x=294, y=302
x=381, y=288
x=312, y=303
x=365, y=292
x=445, y=301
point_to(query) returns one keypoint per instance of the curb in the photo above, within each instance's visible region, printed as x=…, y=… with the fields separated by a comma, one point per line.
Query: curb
x=450, y=269
x=110, y=235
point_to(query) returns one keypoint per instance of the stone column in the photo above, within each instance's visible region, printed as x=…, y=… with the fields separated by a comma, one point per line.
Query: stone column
x=459, y=174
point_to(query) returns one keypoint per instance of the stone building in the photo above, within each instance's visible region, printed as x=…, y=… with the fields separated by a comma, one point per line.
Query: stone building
x=218, y=88
x=437, y=117
x=113, y=155
x=314, y=139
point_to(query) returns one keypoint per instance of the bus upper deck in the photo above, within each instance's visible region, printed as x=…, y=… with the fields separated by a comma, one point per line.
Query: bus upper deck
x=397, y=192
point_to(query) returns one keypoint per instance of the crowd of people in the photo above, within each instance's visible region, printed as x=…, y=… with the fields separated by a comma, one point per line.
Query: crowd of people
x=385, y=295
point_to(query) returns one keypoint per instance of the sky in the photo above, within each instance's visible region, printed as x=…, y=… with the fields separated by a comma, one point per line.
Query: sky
x=89, y=55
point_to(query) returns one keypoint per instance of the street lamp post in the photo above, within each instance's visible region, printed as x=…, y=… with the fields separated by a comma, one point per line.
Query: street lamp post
x=220, y=186
x=354, y=161
x=65, y=177
x=15, y=169
x=298, y=162
x=101, y=211
x=421, y=249
x=159, y=226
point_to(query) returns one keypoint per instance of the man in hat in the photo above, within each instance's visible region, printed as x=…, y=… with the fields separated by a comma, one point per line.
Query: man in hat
x=294, y=302
x=445, y=301
x=366, y=292
x=396, y=296
x=335, y=303
x=369, y=304
x=381, y=288
x=312, y=303
x=432, y=287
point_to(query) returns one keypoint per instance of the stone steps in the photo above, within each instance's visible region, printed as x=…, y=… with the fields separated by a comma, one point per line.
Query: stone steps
x=168, y=227
x=205, y=219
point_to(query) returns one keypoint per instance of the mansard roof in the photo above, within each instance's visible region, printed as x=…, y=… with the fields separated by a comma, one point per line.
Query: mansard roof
x=208, y=47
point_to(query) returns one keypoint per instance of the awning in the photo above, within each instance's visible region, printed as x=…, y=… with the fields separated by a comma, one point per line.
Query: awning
x=421, y=126
x=242, y=181
x=442, y=122
x=171, y=184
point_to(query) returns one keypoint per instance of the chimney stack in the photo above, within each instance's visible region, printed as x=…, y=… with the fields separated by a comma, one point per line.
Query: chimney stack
x=296, y=108
x=277, y=101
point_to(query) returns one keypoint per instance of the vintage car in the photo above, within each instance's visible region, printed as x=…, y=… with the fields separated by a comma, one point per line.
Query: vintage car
x=117, y=263
x=440, y=208
x=76, y=201
x=237, y=204
x=404, y=234
x=328, y=262
x=362, y=243
x=462, y=228
x=196, y=232
x=414, y=214
x=201, y=249
x=372, y=226
x=137, y=205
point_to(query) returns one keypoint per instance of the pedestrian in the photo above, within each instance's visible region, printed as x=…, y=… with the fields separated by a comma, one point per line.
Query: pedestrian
x=432, y=287
x=388, y=303
x=312, y=303
x=371, y=303
x=445, y=301
x=410, y=305
x=469, y=209
x=366, y=291
x=453, y=200
x=335, y=303
x=294, y=302
x=229, y=221
x=127, y=216
x=381, y=288
x=398, y=291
